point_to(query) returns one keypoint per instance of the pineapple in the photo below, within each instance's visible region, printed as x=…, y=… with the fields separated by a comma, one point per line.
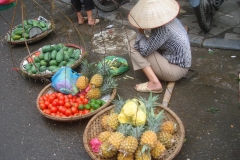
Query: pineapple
x=106, y=88
x=112, y=121
x=166, y=139
x=149, y=137
x=121, y=156
x=169, y=126
x=104, y=122
x=105, y=152
x=130, y=144
x=82, y=82
x=103, y=136
x=142, y=154
x=94, y=93
x=96, y=80
x=117, y=137
x=158, y=151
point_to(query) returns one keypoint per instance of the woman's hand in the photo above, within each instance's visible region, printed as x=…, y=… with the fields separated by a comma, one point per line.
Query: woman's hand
x=141, y=30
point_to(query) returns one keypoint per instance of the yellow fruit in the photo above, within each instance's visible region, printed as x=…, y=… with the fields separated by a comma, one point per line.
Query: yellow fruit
x=121, y=156
x=158, y=151
x=115, y=140
x=129, y=145
x=148, y=138
x=168, y=126
x=103, y=136
x=122, y=118
x=129, y=108
x=142, y=156
x=104, y=122
x=105, y=152
x=112, y=121
x=139, y=118
x=166, y=139
x=94, y=93
x=82, y=82
x=96, y=80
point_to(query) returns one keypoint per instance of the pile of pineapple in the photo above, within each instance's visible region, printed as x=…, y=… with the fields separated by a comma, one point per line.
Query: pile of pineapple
x=95, y=81
x=129, y=135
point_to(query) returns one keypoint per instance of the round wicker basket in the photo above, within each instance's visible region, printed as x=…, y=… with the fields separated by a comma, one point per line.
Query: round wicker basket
x=31, y=40
x=48, y=89
x=48, y=75
x=94, y=128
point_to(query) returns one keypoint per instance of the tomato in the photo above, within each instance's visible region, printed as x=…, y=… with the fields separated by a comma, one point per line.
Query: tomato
x=68, y=112
x=51, y=98
x=85, y=101
x=47, y=111
x=82, y=97
x=80, y=112
x=85, y=111
x=53, y=114
x=55, y=103
x=70, y=96
x=67, y=104
x=53, y=109
x=74, y=110
x=81, y=107
x=46, y=103
x=61, y=102
x=42, y=106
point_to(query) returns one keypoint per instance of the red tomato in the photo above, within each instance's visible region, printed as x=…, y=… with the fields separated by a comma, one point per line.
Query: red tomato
x=74, y=110
x=82, y=97
x=47, y=111
x=68, y=112
x=53, y=114
x=70, y=96
x=53, y=109
x=46, y=103
x=51, y=98
x=55, y=103
x=67, y=104
x=80, y=112
x=42, y=106
x=85, y=111
x=85, y=101
x=61, y=102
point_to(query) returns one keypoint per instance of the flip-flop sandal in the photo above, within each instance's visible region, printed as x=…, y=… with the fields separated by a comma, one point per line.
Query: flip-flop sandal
x=85, y=19
x=144, y=88
x=96, y=22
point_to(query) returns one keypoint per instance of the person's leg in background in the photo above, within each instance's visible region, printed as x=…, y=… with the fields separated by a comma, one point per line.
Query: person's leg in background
x=89, y=6
x=77, y=6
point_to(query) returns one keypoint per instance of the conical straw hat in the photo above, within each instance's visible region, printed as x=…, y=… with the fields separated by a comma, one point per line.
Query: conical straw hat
x=147, y=14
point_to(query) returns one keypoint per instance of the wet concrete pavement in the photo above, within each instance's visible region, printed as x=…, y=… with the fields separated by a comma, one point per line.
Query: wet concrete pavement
x=212, y=84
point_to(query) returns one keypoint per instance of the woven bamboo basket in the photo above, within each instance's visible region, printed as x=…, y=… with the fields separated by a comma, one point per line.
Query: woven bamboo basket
x=48, y=89
x=48, y=75
x=31, y=40
x=94, y=128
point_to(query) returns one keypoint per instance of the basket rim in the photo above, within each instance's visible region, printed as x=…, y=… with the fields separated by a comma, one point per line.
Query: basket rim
x=48, y=75
x=73, y=118
x=178, y=120
x=38, y=37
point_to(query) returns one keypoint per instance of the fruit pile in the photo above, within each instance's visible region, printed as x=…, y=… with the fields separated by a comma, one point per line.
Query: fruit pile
x=50, y=58
x=133, y=130
x=22, y=30
x=61, y=105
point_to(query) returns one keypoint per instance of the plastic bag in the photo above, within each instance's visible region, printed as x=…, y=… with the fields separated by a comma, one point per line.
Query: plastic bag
x=118, y=65
x=64, y=80
x=6, y=1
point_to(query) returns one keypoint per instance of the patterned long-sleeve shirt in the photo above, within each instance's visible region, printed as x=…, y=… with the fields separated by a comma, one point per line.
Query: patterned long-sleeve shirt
x=170, y=40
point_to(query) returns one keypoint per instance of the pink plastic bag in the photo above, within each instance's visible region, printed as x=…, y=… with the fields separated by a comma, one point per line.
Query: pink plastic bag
x=6, y=1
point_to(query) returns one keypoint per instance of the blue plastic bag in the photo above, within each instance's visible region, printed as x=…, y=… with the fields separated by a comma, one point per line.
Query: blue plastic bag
x=64, y=80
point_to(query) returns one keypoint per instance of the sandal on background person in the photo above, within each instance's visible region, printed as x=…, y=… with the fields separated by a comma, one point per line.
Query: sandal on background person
x=96, y=21
x=84, y=20
x=144, y=88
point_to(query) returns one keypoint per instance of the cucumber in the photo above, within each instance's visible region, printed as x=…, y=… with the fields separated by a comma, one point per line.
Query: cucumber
x=25, y=35
x=65, y=48
x=59, y=57
x=35, y=23
x=18, y=31
x=53, y=54
x=70, y=50
x=53, y=62
x=63, y=63
x=76, y=54
x=16, y=37
x=51, y=68
x=42, y=24
x=43, y=63
x=33, y=70
x=25, y=22
x=69, y=64
x=46, y=48
x=36, y=59
x=42, y=68
x=56, y=69
x=20, y=25
x=66, y=57
x=47, y=56
x=41, y=56
x=30, y=22
x=27, y=67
